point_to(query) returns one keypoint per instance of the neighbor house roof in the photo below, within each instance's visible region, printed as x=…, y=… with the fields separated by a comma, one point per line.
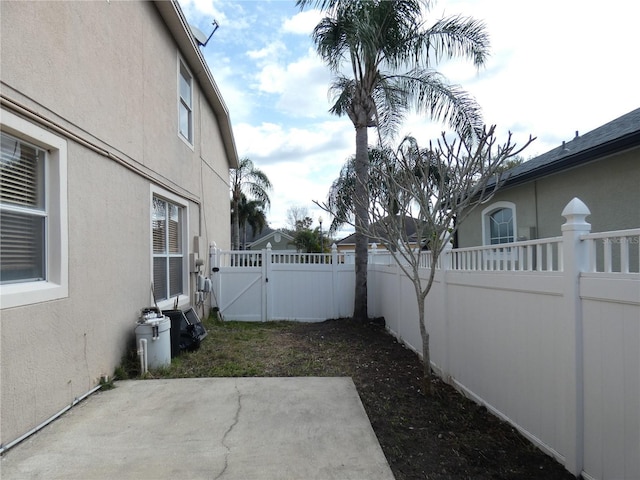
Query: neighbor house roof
x=179, y=28
x=410, y=229
x=267, y=233
x=613, y=137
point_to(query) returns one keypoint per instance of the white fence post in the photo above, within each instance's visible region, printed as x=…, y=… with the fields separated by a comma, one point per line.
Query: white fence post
x=266, y=273
x=446, y=263
x=575, y=257
x=334, y=281
x=214, y=266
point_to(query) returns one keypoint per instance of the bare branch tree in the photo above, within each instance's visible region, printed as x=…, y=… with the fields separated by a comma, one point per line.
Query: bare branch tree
x=421, y=196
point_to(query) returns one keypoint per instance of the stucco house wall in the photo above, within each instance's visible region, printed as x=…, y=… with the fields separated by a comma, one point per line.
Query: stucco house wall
x=102, y=78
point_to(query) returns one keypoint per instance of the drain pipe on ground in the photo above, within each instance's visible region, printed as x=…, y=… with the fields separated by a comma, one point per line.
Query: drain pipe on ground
x=4, y=448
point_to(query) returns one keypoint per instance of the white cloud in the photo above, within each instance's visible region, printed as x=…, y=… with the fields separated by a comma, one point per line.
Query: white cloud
x=302, y=86
x=273, y=143
x=270, y=52
x=302, y=23
x=207, y=8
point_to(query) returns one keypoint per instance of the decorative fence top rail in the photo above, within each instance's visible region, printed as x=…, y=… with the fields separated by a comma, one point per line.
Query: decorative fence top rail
x=614, y=252
x=254, y=258
x=544, y=255
x=608, y=252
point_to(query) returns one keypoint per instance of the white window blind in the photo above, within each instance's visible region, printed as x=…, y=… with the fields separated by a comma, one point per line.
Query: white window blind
x=23, y=212
x=185, y=106
x=168, y=254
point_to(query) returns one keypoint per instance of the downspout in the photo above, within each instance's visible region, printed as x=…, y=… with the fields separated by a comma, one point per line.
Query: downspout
x=77, y=400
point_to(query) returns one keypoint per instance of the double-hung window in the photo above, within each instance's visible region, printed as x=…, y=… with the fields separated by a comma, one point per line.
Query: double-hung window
x=33, y=213
x=23, y=211
x=185, y=103
x=168, y=230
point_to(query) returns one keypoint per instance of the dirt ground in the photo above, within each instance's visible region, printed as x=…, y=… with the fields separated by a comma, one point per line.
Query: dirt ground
x=446, y=436
x=442, y=437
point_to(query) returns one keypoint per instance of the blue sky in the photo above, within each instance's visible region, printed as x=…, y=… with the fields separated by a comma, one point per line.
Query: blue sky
x=556, y=66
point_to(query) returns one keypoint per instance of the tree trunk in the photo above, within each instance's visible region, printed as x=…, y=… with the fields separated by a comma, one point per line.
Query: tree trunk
x=236, y=226
x=426, y=355
x=361, y=194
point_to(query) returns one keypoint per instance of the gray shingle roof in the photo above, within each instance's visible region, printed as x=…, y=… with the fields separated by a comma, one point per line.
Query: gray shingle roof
x=617, y=135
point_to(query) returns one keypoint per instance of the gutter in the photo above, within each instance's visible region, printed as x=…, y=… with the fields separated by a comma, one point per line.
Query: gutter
x=175, y=20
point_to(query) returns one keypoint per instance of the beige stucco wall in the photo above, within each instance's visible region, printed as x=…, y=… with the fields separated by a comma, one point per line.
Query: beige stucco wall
x=107, y=73
x=609, y=187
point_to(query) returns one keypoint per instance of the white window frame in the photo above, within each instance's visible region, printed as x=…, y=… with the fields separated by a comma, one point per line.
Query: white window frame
x=188, y=139
x=56, y=284
x=184, y=297
x=486, y=219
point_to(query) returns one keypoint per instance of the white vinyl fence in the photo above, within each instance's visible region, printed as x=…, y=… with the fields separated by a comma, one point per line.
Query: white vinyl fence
x=282, y=285
x=545, y=333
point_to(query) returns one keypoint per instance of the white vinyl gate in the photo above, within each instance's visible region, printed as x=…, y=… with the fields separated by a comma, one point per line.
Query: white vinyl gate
x=282, y=285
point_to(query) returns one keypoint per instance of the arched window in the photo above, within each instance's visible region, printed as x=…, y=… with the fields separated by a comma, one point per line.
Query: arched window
x=501, y=226
x=499, y=223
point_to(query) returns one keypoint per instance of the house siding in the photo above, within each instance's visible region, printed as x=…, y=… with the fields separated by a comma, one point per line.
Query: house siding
x=609, y=186
x=105, y=73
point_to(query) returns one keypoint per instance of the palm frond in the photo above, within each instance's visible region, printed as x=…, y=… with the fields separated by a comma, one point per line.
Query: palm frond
x=453, y=37
x=428, y=91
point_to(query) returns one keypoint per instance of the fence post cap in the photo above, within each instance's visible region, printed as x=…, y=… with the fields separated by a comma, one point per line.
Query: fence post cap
x=269, y=246
x=575, y=212
x=334, y=246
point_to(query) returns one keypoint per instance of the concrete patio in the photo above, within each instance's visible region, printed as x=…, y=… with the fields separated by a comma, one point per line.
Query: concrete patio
x=208, y=428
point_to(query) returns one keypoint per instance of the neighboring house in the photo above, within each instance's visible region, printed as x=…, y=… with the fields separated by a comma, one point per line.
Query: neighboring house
x=116, y=149
x=348, y=243
x=278, y=239
x=601, y=167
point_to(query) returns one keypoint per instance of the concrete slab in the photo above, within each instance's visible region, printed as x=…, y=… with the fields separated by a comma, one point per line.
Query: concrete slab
x=213, y=428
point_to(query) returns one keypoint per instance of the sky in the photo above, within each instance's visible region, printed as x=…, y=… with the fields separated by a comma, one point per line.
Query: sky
x=556, y=67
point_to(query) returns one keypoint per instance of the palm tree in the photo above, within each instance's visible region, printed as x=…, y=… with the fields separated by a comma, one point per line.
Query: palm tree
x=252, y=214
x=341, y=197
x=248, y=180
x=390, y=52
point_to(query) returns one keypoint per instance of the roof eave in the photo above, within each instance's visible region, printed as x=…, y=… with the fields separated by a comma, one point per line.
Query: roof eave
x=569, y=161
x=179, y=27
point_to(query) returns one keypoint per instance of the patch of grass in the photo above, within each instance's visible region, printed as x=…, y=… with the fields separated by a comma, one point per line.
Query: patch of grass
x=442, y=437
x=231, y=349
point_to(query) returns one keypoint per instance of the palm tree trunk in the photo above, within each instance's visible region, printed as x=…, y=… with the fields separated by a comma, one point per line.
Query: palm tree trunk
x=361, y=195
x=236, y=226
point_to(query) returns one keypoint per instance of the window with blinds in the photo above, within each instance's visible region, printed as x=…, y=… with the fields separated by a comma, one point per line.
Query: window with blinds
x=168, y=257
x=185, y=103
x=23, y=211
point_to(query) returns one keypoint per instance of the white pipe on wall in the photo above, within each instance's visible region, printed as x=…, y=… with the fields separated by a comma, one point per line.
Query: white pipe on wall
x=142, y=353
x=77, y=400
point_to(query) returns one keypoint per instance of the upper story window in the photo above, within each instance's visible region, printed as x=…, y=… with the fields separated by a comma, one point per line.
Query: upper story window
x=168, y=230
x=33, y=214
x=499, y=223
x=185, y=103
